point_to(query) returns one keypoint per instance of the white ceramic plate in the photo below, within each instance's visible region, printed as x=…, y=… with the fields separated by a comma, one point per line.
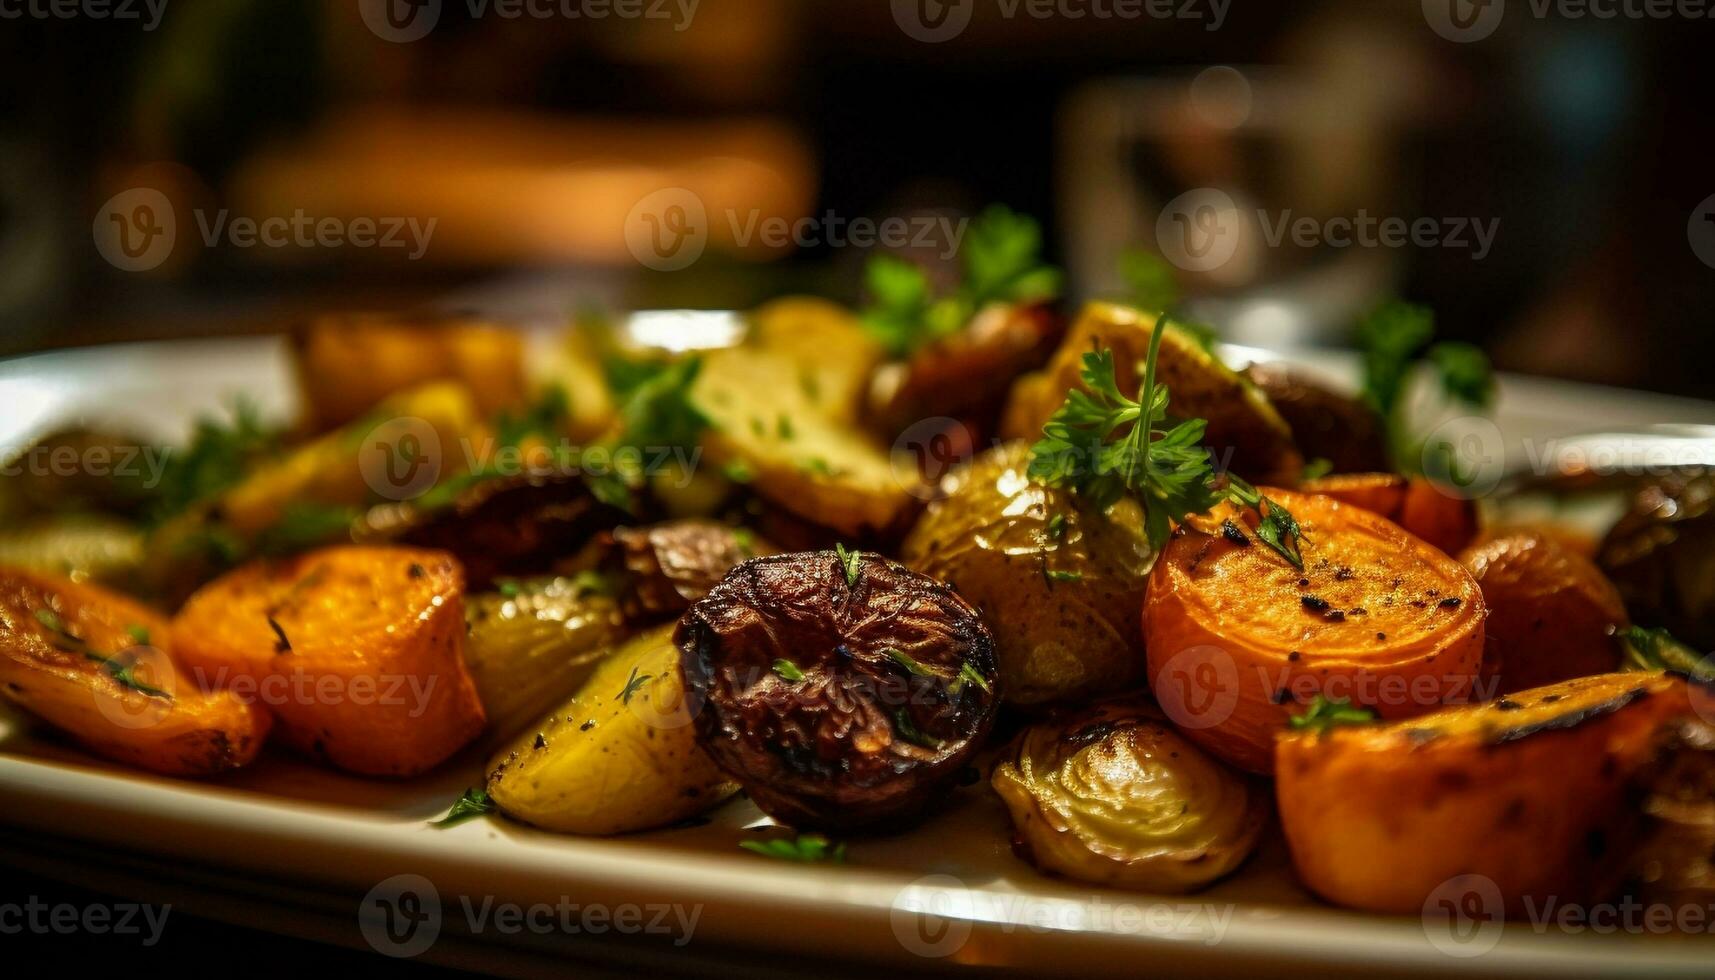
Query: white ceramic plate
x=299, y=849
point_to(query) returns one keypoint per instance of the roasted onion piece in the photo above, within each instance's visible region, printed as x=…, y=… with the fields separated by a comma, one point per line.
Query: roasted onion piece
x=663, y=568
x=841, y=690
x=1114, y=796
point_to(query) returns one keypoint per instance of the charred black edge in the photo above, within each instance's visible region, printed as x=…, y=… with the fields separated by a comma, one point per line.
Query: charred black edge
x=1570, y=719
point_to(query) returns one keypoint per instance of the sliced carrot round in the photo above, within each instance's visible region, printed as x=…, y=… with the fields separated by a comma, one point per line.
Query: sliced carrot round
x=1238, y=636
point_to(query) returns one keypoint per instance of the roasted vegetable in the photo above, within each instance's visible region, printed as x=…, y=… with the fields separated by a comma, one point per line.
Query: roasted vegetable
x=833, y=356
x=496, y=526
x=1661, y=557
x=86, y=547
x=100, y=667
x=1236, y=634
x=530, y=646
x=965, y=373
x=1674, y=865
x=1553, y=615
x=842, y=690
x=662, y=568
x=357, y=651
x=80, y=470
x=799, y=456
x=1244, y=432
x=619, y=756
x=1325, y=424
x=346, y=365
x=1059, y=584
x=1535, y=791
x=1115, y=796
x=1447, y=521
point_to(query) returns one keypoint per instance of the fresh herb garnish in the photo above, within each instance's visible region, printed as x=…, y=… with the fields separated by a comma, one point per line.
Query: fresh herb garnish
x=787, y=670
x=1104, y=446
x=508, y=588
x=851, y=562
x=544, y=418
x=219, y=455
x=1393, y=337
x=303, y=525
x=805, y=849
x=632, y=683
x=969, y=675
x=909, y=731
x=745, y=539
x=1057, y=527
x=910, y=663
x=587, y=582
x=1657, y=649
x=1001, y=263
x=1151, y=285
x=121, y=668
x=1323, y=713
x=474, y=803
x=738, y=471
x=139, y=634
x=1316, y=469
x=1057, y=575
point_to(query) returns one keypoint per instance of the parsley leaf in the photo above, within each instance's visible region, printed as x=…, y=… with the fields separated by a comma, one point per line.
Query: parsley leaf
x=219, y=455
x=1000, y=258
x=632, y=683
x=1324, y=713
x=787, y=670
x=908, y=731
x=805, y=849
x=1657, y=649
x=851, y=562
x=1393, y=336
x=543, y=419
x=474, y=803
x=909, y=662
x=1104, y=446
x=969, y=675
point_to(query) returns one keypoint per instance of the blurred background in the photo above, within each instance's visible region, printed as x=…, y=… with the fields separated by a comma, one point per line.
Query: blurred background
x=231, y=166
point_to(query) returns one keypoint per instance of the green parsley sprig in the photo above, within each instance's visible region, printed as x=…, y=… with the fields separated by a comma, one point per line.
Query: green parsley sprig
x=1000, y=258
x=1105, y=446
x=474, y=803
x=804, y=849
x=1657, y=649
x=1323, y=713
x=1395, y=338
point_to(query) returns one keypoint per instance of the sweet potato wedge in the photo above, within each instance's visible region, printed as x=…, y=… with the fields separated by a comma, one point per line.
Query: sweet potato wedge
x=1235, y=634
x=1552, y=613
x=98, y=666
x=1445, y=521
x=359, y=652
x=1533, y=792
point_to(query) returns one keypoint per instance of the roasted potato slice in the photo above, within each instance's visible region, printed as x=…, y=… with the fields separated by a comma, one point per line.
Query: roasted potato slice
x=100, y=667
x=620, y=756
x=1059, y=584
x=1236, y=634
x=1245, y=432
x=1115, y=796
x=833, y=354
x=799, y=457
x=359, y=653
x=844, y=691
x=1535, y=791
x=347, y=364
x=1447, y=521
x=532, y=645
x=1553, y=615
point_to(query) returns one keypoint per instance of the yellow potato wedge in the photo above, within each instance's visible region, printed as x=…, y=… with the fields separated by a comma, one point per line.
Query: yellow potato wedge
x=359, y=653
x=835, y=356
x=99, y=667
x=620, y=756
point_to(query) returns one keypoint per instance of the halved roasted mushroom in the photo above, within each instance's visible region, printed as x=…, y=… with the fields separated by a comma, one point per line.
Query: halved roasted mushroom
x=842, y=690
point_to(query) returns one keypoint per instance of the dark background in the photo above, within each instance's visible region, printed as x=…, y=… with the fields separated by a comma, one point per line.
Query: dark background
x=1588, y=139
